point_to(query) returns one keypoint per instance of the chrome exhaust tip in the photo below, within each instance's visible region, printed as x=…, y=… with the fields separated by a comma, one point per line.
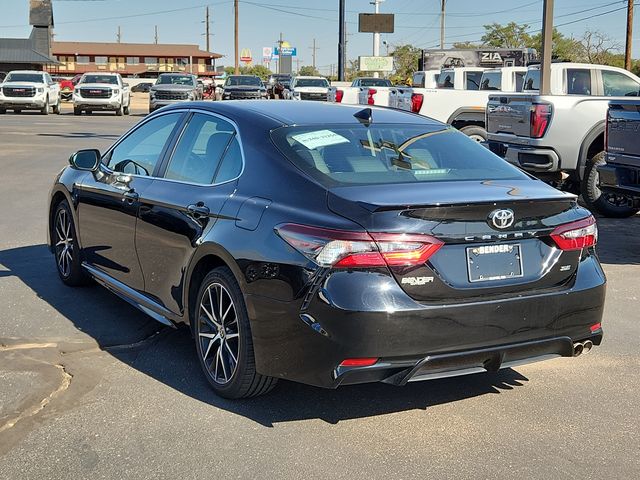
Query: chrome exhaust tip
x=577, y=349
x=587, y=346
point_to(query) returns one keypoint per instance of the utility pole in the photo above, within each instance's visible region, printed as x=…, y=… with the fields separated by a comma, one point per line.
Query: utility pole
x=156, y=35
x=342, y=40
x=547, y=45
x=298, y=61
x=206, y=24
x=235, y=9
x=376, y=35
x=313, y=49
x=280, y=42
x=627, y=50
x=118, y=35
x=442, y=9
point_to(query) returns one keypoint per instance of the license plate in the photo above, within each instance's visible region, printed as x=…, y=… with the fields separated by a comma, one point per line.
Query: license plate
x=494, y=262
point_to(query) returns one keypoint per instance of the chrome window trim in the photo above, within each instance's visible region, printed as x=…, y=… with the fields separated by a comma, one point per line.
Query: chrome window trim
x=237, y=136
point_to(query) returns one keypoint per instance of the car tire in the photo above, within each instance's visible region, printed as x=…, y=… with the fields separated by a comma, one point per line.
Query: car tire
x=119, y=111
x=56, y=108
x=88, y=112
x=609, y=205
x=476, y=133
x=17, y=110
x=3, y=111
x=125, y=110
x=223, y=333
x=65, y=247
x=77, y=111
x=45, y=110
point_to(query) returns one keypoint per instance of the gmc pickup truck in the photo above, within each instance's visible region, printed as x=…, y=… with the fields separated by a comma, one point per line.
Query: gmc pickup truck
x=619, y=171
x=173, y=88
x=29, y=90
x=463, y=106
x=561, y=137
x=101, y=91
x=349, y=95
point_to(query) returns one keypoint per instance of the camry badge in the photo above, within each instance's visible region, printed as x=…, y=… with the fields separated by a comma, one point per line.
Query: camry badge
x=502, y=218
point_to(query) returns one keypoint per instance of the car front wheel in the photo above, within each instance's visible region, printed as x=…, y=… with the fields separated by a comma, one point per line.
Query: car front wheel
x=223, y=338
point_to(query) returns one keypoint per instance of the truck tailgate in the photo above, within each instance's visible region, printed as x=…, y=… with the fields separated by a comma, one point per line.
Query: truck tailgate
x=624, y=129
x=509, y=114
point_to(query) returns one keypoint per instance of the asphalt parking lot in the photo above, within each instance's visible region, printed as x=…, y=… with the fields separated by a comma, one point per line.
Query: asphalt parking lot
x=92, y=388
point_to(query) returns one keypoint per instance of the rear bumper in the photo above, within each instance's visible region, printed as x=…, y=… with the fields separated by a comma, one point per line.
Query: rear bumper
x=533, y=159
x=376, y=319
x=623, y=179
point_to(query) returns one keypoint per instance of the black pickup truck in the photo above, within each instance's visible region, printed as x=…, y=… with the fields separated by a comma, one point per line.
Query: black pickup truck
x=620, y=175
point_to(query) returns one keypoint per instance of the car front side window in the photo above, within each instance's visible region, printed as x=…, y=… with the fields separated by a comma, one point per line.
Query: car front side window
x=618, y=84
x=140, y=151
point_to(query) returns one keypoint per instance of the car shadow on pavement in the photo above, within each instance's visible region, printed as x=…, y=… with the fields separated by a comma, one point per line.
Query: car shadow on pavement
x=168, y=356
x=619, y=240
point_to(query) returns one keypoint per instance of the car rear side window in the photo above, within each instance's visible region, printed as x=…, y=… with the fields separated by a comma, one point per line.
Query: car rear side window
x=140, y=151
x=417, y=80
x=519, y=77
x=389, y=153
x=532, y=80
x=618, y=84
x=578, y=81
x=473, y=80
x=446, y=79
x=202, y=146
x=491, y=81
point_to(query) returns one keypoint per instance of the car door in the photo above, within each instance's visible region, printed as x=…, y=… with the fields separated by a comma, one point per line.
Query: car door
x=178, y=208
x=108, y=200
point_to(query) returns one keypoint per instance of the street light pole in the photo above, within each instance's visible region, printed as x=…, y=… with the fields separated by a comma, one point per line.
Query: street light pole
x=235, y=9
x=627, y=50
x=342, y=40
x=547, y=47
x=376, y=35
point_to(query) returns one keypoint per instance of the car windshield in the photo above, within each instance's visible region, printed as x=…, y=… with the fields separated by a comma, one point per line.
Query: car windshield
x=311, y=82
x=532, y=80
x=394, y=153
x=375, y=82
x=24, y=77
x=250, y=81
x=100, y=79
x=175, y=80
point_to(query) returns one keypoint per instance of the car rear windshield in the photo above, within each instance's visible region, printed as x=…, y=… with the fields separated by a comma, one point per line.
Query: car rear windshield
x=389, y=153
x=532, y=80
x=374, y=82
x=24, y=77
x=175, y=80
x=311, y=82
x=236, y=81
x=100, y=79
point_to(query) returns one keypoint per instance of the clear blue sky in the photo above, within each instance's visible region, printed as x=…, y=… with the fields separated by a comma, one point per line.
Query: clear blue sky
x=261, y=21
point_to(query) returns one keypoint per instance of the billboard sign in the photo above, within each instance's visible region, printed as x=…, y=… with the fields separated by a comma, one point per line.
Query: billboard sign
x=375, y=23
x=286, y=51
x=375, y=64
x=245, y=56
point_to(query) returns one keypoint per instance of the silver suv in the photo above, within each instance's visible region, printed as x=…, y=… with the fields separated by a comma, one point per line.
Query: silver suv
x=172, y=88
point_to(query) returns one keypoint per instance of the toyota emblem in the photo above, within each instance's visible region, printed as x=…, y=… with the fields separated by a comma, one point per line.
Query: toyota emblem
x=502, y=218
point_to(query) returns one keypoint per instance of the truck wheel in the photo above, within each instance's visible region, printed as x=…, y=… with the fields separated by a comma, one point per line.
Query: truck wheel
x=607, y=204
x=125, y=110
x=17, y=110
x=77, y=111
x=119, y=111
x=45, y=110
x=56, y=107
x=3, y=111
x=474, y=132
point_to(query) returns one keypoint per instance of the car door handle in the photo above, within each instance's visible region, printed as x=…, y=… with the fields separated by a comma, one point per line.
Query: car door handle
x=198, y=209
x=130, y=196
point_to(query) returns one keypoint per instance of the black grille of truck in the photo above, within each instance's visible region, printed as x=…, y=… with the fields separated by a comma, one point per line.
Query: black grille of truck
x=95, y=92
x=322, y=97
x=19, y=91
x=160, y=95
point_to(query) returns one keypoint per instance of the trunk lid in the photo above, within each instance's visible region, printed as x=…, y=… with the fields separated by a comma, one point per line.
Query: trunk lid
x=477, y=258
x=510, y=114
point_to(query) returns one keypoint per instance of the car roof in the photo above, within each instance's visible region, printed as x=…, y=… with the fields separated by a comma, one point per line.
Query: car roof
x=283, y=112
x=26, y=71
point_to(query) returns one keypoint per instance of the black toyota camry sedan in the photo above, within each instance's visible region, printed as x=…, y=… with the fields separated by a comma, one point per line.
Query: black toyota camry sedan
x=330, y=244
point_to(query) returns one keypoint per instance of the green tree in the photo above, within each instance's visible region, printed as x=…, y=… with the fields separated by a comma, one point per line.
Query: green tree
x=259, y=71
x=510, y=35
x=563, y=48
x=405, y=61
x=308, y=70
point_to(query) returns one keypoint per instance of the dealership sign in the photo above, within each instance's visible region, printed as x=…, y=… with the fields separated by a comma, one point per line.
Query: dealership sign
x=286, y=51
x=375, y=64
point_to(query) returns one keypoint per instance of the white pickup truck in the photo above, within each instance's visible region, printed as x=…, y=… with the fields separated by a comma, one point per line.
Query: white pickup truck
x=461, y=96
x=349, y=95
x=29, y=90
x=101, y=91
x=561, y=137
x=307, y=88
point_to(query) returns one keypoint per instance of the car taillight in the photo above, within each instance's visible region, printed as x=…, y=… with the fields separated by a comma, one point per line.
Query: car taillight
x=576, y=235
x=358, y=362
x=540, y=117
x=349, y=249
x=370, y=94
x=339, y=95
x=416, y=102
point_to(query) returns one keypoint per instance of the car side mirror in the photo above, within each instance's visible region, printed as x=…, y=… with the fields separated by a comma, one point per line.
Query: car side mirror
x=87, y=160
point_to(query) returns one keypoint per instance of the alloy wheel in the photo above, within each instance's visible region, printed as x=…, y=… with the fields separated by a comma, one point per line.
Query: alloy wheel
x=64, y=243
x=218, y=333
